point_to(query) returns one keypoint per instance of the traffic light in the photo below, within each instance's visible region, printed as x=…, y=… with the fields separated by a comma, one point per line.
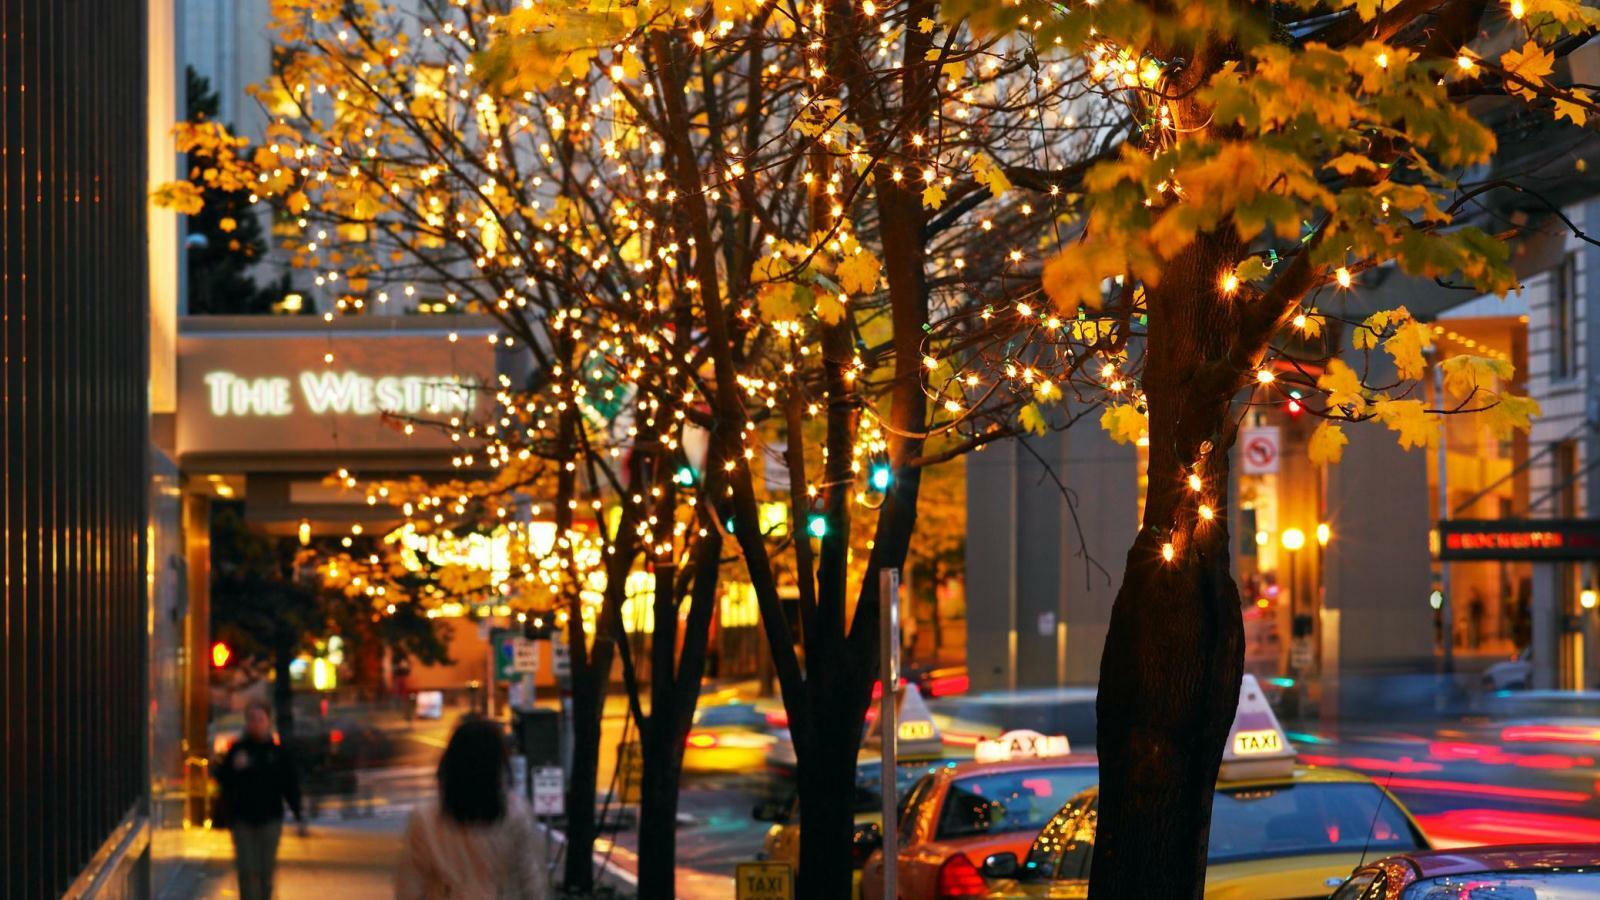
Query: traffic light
x=1294, y=406
x=684, y=477
x=817, y=525
x=220, y=654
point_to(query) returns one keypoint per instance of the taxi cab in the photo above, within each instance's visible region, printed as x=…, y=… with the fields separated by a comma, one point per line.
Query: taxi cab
x=960, y=815
x=730, y=736
x=1504, y=873
x=920, y=751
x=1278, y=830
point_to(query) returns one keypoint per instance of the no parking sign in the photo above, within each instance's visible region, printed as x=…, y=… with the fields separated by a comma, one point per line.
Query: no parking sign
x=1259, y=450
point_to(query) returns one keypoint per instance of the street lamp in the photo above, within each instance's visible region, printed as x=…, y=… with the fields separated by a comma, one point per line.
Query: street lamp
x=1293, y=540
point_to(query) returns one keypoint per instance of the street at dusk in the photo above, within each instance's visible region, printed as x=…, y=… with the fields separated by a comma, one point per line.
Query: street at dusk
x=800, y=449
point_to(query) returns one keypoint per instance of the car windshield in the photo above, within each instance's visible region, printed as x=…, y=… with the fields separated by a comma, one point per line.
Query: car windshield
x=869, y=781
x=1291, y=820
x=1008, y=801
x=730, y=714
x=1548, y=885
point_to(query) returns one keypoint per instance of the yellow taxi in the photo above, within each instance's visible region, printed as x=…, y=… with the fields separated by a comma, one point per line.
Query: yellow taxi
x=1278, y=830
x=728, y=737
x=920, y=751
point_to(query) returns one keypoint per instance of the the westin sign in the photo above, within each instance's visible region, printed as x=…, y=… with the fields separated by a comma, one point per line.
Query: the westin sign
x=267, y=385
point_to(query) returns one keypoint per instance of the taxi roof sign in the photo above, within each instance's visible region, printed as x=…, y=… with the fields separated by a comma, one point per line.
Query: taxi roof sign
x=1257, y=746
x=916, y=733
x=1021, y=744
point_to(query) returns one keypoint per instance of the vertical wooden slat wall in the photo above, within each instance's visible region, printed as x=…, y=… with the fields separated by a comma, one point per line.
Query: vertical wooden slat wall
x=73, y=394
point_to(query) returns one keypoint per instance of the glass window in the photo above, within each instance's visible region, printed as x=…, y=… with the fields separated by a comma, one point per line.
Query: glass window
x=1009, y=801
x=1045, y=851
x=1297, y=819
x=1368, y=884
x=732, y=714
x=1078, y=850
x=1547, y=885
x=1564, y=319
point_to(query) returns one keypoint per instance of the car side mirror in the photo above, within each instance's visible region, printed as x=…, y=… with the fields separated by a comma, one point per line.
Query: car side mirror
x=770, y=811
x=866, y=840
x=999, y=865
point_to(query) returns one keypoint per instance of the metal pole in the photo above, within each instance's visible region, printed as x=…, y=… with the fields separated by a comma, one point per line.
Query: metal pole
x=889, y=668
x=1446, y=606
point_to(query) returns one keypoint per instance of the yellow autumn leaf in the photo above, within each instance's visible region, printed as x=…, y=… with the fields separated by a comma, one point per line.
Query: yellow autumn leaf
x=990, y=175
x=858, y=273
x=1531, y=62
x=1032, y=420
x=1309, y=323
x=1124, y=423
x=1046, y=391
x=1465, y=374
x=178, y=196
x=1410, y=418
x=830, y=308
x=1406, y=346
x=1511, y=414
x=227, y=223
x=298, y=202
x=1574, y=111
x=933, y=195
x=1327, y=444
x=1350, y=163
x=925, y=25
x=1343, y=387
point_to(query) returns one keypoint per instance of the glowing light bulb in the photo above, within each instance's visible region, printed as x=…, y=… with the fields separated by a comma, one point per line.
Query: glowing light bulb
x=1342, y=275
x=1167, y=552
x=1265, y=376
x=1194, y=482
x=1230, y=283
x=1207, y=512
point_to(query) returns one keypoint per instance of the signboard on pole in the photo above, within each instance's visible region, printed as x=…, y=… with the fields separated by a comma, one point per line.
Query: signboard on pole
x=549, y=795
x=560, y=658
x=1259, y=450
x=524, y=656
x=764, y=881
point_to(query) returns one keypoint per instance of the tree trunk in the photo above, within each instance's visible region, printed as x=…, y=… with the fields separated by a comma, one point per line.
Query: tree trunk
x=1174, y=654
x=581, y=788
x=826, y=780
x=658, y=819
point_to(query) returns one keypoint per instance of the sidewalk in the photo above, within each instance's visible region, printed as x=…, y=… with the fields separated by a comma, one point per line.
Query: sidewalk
x=334, y=861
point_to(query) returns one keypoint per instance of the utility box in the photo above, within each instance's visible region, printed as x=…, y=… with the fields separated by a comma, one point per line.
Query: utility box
x=538, y=735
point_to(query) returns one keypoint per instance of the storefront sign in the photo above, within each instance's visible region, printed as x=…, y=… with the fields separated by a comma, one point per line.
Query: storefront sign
x=1519, y=539
x=269, y=385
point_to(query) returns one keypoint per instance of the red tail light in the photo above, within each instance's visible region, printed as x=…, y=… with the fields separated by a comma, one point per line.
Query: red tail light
x=958, y=877
x=336, y=736
x=777, y=718
x=947, y=685
x=700, y=740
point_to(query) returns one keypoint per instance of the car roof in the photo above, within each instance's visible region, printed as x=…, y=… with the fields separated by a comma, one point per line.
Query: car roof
x=1070, y=761
x=1301, y=775
x=1471, y=860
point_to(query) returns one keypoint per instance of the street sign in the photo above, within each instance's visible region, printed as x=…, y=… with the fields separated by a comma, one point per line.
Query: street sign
x=764, y=881
x=560, y=658
x=524, y=656
x=1259, y=450
x=549, y=795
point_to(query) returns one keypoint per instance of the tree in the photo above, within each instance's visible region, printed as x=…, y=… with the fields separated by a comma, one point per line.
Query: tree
x=224, y=226
x=1280, y=150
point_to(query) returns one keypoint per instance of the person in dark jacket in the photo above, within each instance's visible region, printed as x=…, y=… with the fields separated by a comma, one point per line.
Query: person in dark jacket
x=257, y=778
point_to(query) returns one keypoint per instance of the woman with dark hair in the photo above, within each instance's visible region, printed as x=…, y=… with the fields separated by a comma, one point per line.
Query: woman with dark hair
x=478, y=841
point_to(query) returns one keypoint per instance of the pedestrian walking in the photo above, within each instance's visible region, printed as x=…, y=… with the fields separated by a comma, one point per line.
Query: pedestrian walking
x=258, y=779
x=477, y=841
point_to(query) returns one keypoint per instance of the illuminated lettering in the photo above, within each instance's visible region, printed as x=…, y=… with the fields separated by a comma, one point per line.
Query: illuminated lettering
x=1255, y=743
x=915, y=731
x=340, y=393
x=231, y=395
